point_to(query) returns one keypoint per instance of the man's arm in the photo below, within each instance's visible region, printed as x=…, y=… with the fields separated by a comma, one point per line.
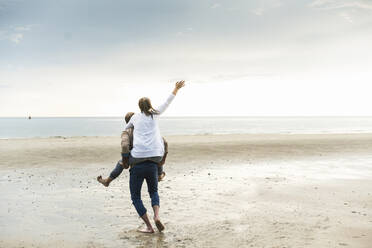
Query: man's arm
x=125, y=148
x=162, y=162
x=129, y=124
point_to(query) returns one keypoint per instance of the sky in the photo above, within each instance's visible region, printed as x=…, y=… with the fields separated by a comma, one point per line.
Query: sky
x=239, y=58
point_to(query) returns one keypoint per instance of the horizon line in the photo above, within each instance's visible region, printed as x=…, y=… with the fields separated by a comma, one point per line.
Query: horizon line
x=190, y=116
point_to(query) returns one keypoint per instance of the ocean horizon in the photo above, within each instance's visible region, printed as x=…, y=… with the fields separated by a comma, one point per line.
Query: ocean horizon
x=22, y=127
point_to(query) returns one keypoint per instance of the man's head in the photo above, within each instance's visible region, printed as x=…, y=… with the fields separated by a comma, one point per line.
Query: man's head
x=128, y=116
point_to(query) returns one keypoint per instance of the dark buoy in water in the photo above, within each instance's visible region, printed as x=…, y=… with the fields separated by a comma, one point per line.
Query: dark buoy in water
x=29, y=117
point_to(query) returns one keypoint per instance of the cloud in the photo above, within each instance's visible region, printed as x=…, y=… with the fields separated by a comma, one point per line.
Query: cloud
x=185, y=32
x=14, y=34
x=3, y=6
x=348, y=10
x=340, y=4
x=3, y=86
x=266, y=5
x=2, y=34
x=23, y=28
x=237, y=76
x=16, y=38
x=216, y=5
x=258, y=11
x=346, y=16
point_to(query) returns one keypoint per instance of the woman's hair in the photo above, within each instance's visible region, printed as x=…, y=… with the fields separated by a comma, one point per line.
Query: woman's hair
x=128, y=116
x=145, y=106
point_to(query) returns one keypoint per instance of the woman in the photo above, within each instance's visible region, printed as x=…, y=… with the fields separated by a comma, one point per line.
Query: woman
x=147, y=152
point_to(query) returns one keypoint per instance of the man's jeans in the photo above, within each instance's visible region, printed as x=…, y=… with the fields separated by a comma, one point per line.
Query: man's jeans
x=144, y=171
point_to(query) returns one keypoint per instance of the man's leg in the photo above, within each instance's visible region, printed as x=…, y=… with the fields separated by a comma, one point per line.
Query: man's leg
x=114, y=174
x=135, y=185
x=117, y=171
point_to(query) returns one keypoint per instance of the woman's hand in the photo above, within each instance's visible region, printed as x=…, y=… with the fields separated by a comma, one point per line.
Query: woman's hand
x=178, y=86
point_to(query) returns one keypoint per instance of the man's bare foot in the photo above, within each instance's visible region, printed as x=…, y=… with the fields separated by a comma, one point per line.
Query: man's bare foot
x=105, y=182
x=161, y=176
x=159, y=225
x=146, y=230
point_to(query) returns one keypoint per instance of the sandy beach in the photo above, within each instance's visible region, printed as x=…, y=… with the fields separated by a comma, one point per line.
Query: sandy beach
x=220, y=191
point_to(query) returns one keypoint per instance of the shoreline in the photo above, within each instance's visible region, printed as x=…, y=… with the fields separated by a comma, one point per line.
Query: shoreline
x=80, y=151
x=197, y=134
x=237, y=148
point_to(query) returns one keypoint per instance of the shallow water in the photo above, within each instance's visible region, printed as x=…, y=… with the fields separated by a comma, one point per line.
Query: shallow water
x=112, y=126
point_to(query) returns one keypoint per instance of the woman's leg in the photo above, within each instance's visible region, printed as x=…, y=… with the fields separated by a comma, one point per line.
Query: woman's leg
x=152, y=185
x=151, y=177
x=135, y=184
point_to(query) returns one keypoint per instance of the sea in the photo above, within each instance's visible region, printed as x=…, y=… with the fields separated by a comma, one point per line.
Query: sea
x=112, y=126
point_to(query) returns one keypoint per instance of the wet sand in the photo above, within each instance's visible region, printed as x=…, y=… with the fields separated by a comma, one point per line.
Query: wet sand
x=220, y=191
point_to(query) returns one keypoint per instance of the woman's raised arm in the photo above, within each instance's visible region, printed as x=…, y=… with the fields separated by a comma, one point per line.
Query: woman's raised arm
x=178, y=86
x=165, y=105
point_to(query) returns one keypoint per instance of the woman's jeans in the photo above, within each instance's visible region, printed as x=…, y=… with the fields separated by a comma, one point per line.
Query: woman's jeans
x=144, y=171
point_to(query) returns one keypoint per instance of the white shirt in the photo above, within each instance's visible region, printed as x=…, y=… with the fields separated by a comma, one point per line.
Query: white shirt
x=147, y=141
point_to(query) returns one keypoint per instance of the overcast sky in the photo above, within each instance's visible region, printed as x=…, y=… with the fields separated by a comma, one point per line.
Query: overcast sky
x=238, y=57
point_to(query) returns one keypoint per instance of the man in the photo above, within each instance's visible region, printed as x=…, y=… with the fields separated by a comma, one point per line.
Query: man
x=124, y=163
